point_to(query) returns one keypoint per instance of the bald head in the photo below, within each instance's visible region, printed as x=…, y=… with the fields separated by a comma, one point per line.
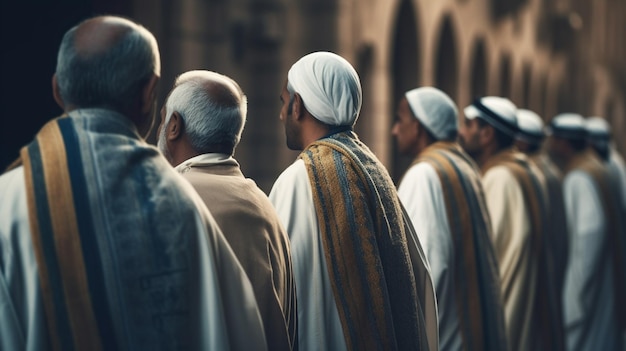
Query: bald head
x=106, y=62
x=213, y=109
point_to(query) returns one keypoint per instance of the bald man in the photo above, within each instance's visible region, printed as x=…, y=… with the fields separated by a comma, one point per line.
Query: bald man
x=102, y=245
x=361, y=278
x=443, y=196
x=201, y=125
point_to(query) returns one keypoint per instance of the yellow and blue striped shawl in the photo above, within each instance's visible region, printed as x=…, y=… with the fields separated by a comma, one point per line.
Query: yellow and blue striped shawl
x=364, y=233
x=476, y=275
x=115, y=236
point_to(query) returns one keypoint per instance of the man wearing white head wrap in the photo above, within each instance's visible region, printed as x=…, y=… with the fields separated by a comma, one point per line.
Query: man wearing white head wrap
x=515, y=194
x=591, y=302
x=361, y=279
x=553, y=256
x=443, y=196
x=599, y=138
x=329, y=87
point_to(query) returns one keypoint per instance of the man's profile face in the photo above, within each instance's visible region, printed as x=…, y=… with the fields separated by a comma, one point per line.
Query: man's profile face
x=405, y=128
x=292, y=129
x=469, y=136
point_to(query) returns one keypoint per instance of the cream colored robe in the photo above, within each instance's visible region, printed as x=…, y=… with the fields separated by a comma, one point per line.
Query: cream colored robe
x=511, y=238
x=253, y=230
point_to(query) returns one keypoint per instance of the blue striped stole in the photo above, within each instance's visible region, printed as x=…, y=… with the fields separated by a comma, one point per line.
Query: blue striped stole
x=364, y=235
x=66, y=250
x=547, y=311
x=476, y=277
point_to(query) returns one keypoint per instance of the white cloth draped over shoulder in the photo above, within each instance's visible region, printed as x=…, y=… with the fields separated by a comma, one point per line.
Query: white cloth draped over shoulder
x=511, y=240
x=422, y=196
x=588, y=296
x=319, y=326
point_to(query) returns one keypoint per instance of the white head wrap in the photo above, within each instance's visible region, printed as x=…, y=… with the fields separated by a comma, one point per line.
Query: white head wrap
x=568, y=126
x=435, y=111
x=497, y=111
x=329, y=87
x=530, y=126
x=598, y=131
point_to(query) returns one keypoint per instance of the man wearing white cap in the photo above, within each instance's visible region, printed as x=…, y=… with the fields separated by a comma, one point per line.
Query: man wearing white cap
x=515, y=199
x=590, y=302
x=361, y=279
x=443, y=196
x=553, y=251
x=599, y=139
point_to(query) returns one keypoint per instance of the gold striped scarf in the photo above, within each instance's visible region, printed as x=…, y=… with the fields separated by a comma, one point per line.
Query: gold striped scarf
x=476, y=277
x=364, y=233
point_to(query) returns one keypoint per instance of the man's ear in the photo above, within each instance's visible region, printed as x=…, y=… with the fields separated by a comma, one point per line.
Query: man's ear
x=56, y=93
x=298, y=106
x=174, y=127
x=149, y=94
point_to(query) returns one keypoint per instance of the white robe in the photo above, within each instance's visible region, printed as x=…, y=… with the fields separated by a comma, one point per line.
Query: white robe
x=422, y=196
x=227, y=306
x=511, y=229
x=617, y=168
x=588, y=300
x=319, y=326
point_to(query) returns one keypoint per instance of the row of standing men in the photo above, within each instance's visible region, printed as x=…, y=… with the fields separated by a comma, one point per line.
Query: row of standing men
x=104, y=246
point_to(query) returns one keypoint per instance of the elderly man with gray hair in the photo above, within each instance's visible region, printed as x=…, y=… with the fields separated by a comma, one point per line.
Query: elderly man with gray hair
x=361, y=277
x=201, y=125
x=102, y=245
x=443, y=196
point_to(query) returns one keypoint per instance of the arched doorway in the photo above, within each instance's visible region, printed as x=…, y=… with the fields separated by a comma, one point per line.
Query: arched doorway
x=527, y=72
x=446, y=77
x=505, y=76
x=405, y=68
x=479, y=75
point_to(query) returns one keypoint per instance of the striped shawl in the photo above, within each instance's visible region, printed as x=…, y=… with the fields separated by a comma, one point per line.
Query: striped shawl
x=383, y=301
x=547, y=312
x=476, y=278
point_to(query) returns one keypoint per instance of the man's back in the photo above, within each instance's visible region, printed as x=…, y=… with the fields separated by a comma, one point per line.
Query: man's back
x=515, y=198
x=339, y=180
x=444, y=198
x=589, y=297
x=144, y=266
x=253, y=230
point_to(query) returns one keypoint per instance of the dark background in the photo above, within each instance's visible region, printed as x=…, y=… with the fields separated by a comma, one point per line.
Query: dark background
x=31, y=32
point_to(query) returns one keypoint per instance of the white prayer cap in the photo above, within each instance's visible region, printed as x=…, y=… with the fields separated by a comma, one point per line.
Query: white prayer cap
x=329, y=87
x=598, y=131
x=435, y=111
x=530, y=126
x=567, y=126
x=499, y=112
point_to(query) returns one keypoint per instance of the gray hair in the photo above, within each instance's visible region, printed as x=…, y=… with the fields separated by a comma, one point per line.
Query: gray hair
x=212, y=124
x=112, y=78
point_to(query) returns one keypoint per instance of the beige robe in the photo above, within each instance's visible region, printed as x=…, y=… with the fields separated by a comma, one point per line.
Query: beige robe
x=512, y=228
x=253, y=230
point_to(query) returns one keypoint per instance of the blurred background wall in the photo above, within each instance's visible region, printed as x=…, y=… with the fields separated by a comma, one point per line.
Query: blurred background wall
x=550, y=56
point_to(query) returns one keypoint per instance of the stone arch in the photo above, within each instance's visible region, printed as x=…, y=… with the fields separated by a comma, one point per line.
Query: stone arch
x=505, y=75
x=446, y=70
x=479, y=75
x=527, y=73
x=405, y=69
